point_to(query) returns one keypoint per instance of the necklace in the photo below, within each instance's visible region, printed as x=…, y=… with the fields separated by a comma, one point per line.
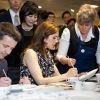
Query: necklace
x=26, y=28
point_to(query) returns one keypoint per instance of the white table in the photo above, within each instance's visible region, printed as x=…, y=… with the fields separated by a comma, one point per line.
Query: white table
x=48, y=92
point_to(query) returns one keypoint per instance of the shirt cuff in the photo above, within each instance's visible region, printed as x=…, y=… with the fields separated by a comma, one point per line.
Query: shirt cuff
x=59, y=57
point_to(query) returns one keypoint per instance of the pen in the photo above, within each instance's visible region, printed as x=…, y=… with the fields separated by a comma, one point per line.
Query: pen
x=4, y=73
x=70, y=62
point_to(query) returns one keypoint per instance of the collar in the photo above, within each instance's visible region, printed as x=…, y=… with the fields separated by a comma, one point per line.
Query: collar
x=89, y=36
x=13, y=13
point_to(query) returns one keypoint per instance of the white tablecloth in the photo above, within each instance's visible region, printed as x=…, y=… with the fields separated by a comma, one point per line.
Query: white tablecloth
x=46, y=92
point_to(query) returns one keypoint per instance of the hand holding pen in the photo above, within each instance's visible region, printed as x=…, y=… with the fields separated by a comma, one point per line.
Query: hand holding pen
x=71, y=62
x=5, y=81
x=66, y=60
x=4, y=73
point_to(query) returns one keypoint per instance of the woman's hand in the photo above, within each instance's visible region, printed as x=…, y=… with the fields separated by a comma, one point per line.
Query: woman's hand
x=24, y=80
x=5, y=81
x=72, y=72
x=70, y=61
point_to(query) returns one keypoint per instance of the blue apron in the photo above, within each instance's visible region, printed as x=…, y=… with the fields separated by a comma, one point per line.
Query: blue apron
x=83, y=52
x=85, y=57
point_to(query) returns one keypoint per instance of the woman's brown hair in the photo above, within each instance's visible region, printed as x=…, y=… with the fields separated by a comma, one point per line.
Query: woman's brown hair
x=42, y=32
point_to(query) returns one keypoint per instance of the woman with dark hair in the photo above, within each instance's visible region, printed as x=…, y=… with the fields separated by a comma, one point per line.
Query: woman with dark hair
x=37, y=61
x=28, y=8
x=28, y=17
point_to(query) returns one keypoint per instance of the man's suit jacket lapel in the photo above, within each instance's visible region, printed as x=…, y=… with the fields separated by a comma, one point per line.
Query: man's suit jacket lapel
x=6, y=17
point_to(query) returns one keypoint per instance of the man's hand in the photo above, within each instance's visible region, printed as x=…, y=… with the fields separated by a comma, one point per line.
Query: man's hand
x=5, y=81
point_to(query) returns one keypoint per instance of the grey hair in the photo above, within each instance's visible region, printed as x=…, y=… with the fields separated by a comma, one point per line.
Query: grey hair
x=86, y=14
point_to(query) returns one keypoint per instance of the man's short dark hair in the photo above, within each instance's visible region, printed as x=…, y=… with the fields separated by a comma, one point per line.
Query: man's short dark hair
x=7, y=28
x=50, y=13
x=42, y=14
x=72, y=19
x=2, y=11
x=65, y=12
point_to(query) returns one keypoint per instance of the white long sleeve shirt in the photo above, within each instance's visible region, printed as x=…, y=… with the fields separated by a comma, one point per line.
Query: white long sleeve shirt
x=65, y=42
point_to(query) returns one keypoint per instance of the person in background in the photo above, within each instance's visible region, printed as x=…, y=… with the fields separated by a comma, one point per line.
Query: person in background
x=50, y=17
x=71, y=22
x=66, y=16
x=2, y=11
x=37, y=62
x=42, y=16
x=9, y=16
x=28, y=16
x=81, y=42
x=9, y=36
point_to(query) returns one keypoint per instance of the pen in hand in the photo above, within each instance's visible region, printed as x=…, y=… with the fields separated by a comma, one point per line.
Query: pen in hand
x=71, y=62
x=4, y=73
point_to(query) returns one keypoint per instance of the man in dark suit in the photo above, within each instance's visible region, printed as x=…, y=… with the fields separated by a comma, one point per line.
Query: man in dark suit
x=6, y=17
x=13, y=10
x=9, y=16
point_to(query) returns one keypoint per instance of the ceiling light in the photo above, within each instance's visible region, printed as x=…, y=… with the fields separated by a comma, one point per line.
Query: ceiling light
x=72, y=10
x=94, y=6
x=39, y=7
